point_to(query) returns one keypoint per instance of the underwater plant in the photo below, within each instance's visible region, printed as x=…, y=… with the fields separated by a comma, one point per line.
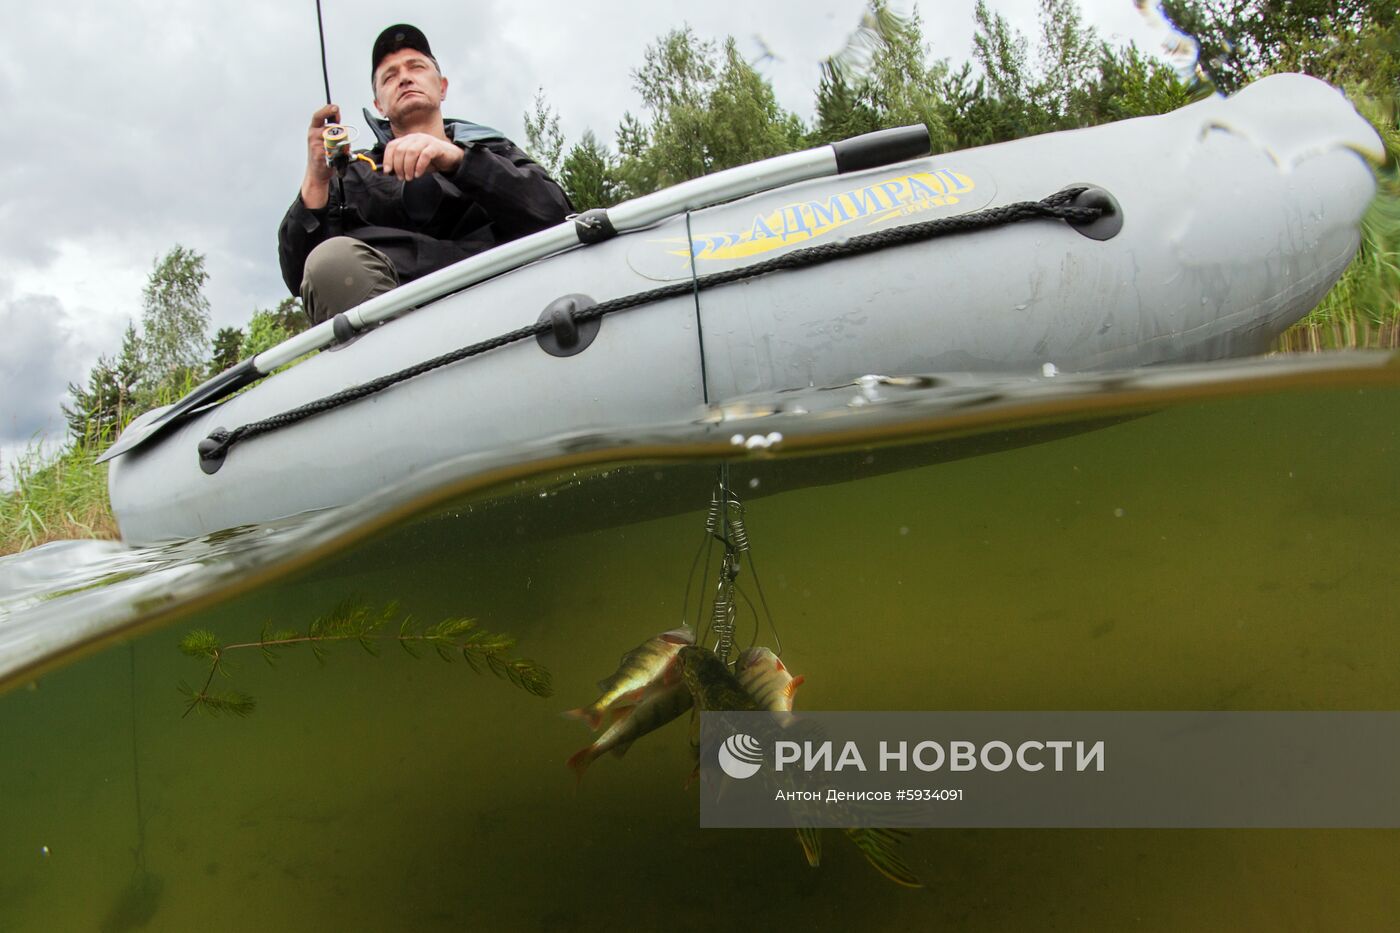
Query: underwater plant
x=355, y=621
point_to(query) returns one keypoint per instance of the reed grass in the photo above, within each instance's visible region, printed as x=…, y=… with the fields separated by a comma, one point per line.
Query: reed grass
x=1342, y=333
x=1362, y=310
x=54, y=497
x=48, y=495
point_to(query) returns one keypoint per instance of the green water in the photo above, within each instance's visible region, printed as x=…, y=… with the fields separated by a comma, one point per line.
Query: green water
x=1228, y=554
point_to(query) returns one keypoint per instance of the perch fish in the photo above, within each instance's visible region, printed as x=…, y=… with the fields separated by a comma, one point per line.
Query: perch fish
x=648, y=665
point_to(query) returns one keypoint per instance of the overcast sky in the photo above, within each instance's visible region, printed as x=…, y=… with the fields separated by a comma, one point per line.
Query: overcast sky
x=137, y=125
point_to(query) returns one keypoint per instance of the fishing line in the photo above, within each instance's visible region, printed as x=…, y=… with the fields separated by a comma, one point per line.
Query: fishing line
x=757, y=620
x=690, y=583
x=136, y=765
x=699, y=324
x=772, y=626
x=702, y=624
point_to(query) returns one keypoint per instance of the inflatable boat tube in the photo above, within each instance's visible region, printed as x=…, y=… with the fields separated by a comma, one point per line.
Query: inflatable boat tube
x=1219, y=225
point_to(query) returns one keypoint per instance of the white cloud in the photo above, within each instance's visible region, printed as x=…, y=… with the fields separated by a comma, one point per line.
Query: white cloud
x=43, y=349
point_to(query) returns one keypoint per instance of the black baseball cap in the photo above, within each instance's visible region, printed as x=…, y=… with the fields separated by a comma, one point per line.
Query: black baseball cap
x=402, y=36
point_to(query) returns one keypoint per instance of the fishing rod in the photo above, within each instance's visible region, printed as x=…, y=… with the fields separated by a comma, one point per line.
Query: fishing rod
x=336, y=137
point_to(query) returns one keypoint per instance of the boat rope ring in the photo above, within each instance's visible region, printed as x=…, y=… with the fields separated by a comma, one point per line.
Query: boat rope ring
x=1110, y=219
x=212, y=451
x=567, y=336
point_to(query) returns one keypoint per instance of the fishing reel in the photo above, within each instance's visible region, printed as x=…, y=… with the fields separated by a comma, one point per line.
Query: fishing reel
x=336, y=139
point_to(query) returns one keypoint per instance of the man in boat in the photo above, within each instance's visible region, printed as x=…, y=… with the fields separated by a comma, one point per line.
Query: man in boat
x=430, y=194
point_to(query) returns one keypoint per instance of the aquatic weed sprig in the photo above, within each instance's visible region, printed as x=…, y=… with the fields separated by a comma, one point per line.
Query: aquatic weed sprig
x=364, y=625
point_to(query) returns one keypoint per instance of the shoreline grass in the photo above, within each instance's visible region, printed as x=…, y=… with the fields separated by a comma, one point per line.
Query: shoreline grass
x=1362, y=311
x=55, y=497
x=1349, y=333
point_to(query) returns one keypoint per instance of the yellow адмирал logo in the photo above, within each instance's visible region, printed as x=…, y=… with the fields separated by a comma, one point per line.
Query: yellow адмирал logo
x=799, y=222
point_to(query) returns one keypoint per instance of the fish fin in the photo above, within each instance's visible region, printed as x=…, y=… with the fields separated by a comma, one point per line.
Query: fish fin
x=811, y=841
x=877, y=845
x=592, y=716
x=793, y=684
x=579, y=762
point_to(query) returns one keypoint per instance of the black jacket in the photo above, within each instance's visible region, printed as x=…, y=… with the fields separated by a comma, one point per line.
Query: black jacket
x=497, y=194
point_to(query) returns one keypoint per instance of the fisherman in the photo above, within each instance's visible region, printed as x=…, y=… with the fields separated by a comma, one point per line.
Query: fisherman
x=445, y=190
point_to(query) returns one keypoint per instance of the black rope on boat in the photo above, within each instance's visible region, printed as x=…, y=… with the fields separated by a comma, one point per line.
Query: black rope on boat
x=1056, y=207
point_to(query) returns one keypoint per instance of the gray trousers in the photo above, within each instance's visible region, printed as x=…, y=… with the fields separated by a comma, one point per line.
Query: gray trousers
x=341, y=273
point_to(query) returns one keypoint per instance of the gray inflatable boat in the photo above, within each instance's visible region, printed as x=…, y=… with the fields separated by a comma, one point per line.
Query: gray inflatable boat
x=1196, y=235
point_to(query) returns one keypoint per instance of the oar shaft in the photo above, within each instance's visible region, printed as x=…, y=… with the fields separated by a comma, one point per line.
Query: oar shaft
x=630, y=215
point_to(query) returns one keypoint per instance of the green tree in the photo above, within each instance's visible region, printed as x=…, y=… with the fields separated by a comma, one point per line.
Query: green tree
x=265, y=330
x=175, y=317
x=1001, y=51
x=904, y=83
x=673, y=82
x=1130, y=84
x=543, y=139
x=291, y=316
x=707, y=109
x=744, y=122
x=228, y=343
x=975, y=117
x=1069, y=56
x=110, y=397
x=843, y=108
x=1080, y=80
x=633, y=141
x=879, y=25
x=1346, y=42
x=268, y=328
x=95, y=411
x=589, y=174
x=882, y=78
x=885, y=77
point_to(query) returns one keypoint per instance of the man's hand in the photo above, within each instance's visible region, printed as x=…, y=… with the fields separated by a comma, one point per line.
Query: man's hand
x=417, y=154
x=316, y=184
